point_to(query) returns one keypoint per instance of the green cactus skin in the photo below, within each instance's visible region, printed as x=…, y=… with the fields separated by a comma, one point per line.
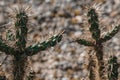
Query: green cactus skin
x=84, y=42
x=93, y=20
x=20, y=52
x=33, y=49
x=98, y=47
x=109, y=35
x=113, y=68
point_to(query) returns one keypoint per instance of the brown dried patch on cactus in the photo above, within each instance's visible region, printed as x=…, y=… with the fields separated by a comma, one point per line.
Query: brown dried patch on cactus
x=93, y=66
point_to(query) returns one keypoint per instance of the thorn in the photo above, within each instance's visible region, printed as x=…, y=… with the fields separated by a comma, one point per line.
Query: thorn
x=61, y=32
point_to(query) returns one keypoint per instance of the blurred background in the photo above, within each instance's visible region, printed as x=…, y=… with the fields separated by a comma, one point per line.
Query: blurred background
x=67, y=60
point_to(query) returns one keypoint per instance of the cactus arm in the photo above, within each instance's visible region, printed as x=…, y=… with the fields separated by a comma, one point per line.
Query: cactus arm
x=94, y=22
x=108, y=36
x=84, y=42
x=34, y=49
x=21, y=30
x=20, y=59
x=5, y=48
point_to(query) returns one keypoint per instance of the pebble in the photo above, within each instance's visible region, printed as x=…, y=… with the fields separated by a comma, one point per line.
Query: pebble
x=1, y=18
x=65, y=79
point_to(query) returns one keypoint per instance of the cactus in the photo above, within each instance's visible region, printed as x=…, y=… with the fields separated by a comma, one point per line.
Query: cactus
x=21, y=52
x=113, y=68
x=98, y=40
